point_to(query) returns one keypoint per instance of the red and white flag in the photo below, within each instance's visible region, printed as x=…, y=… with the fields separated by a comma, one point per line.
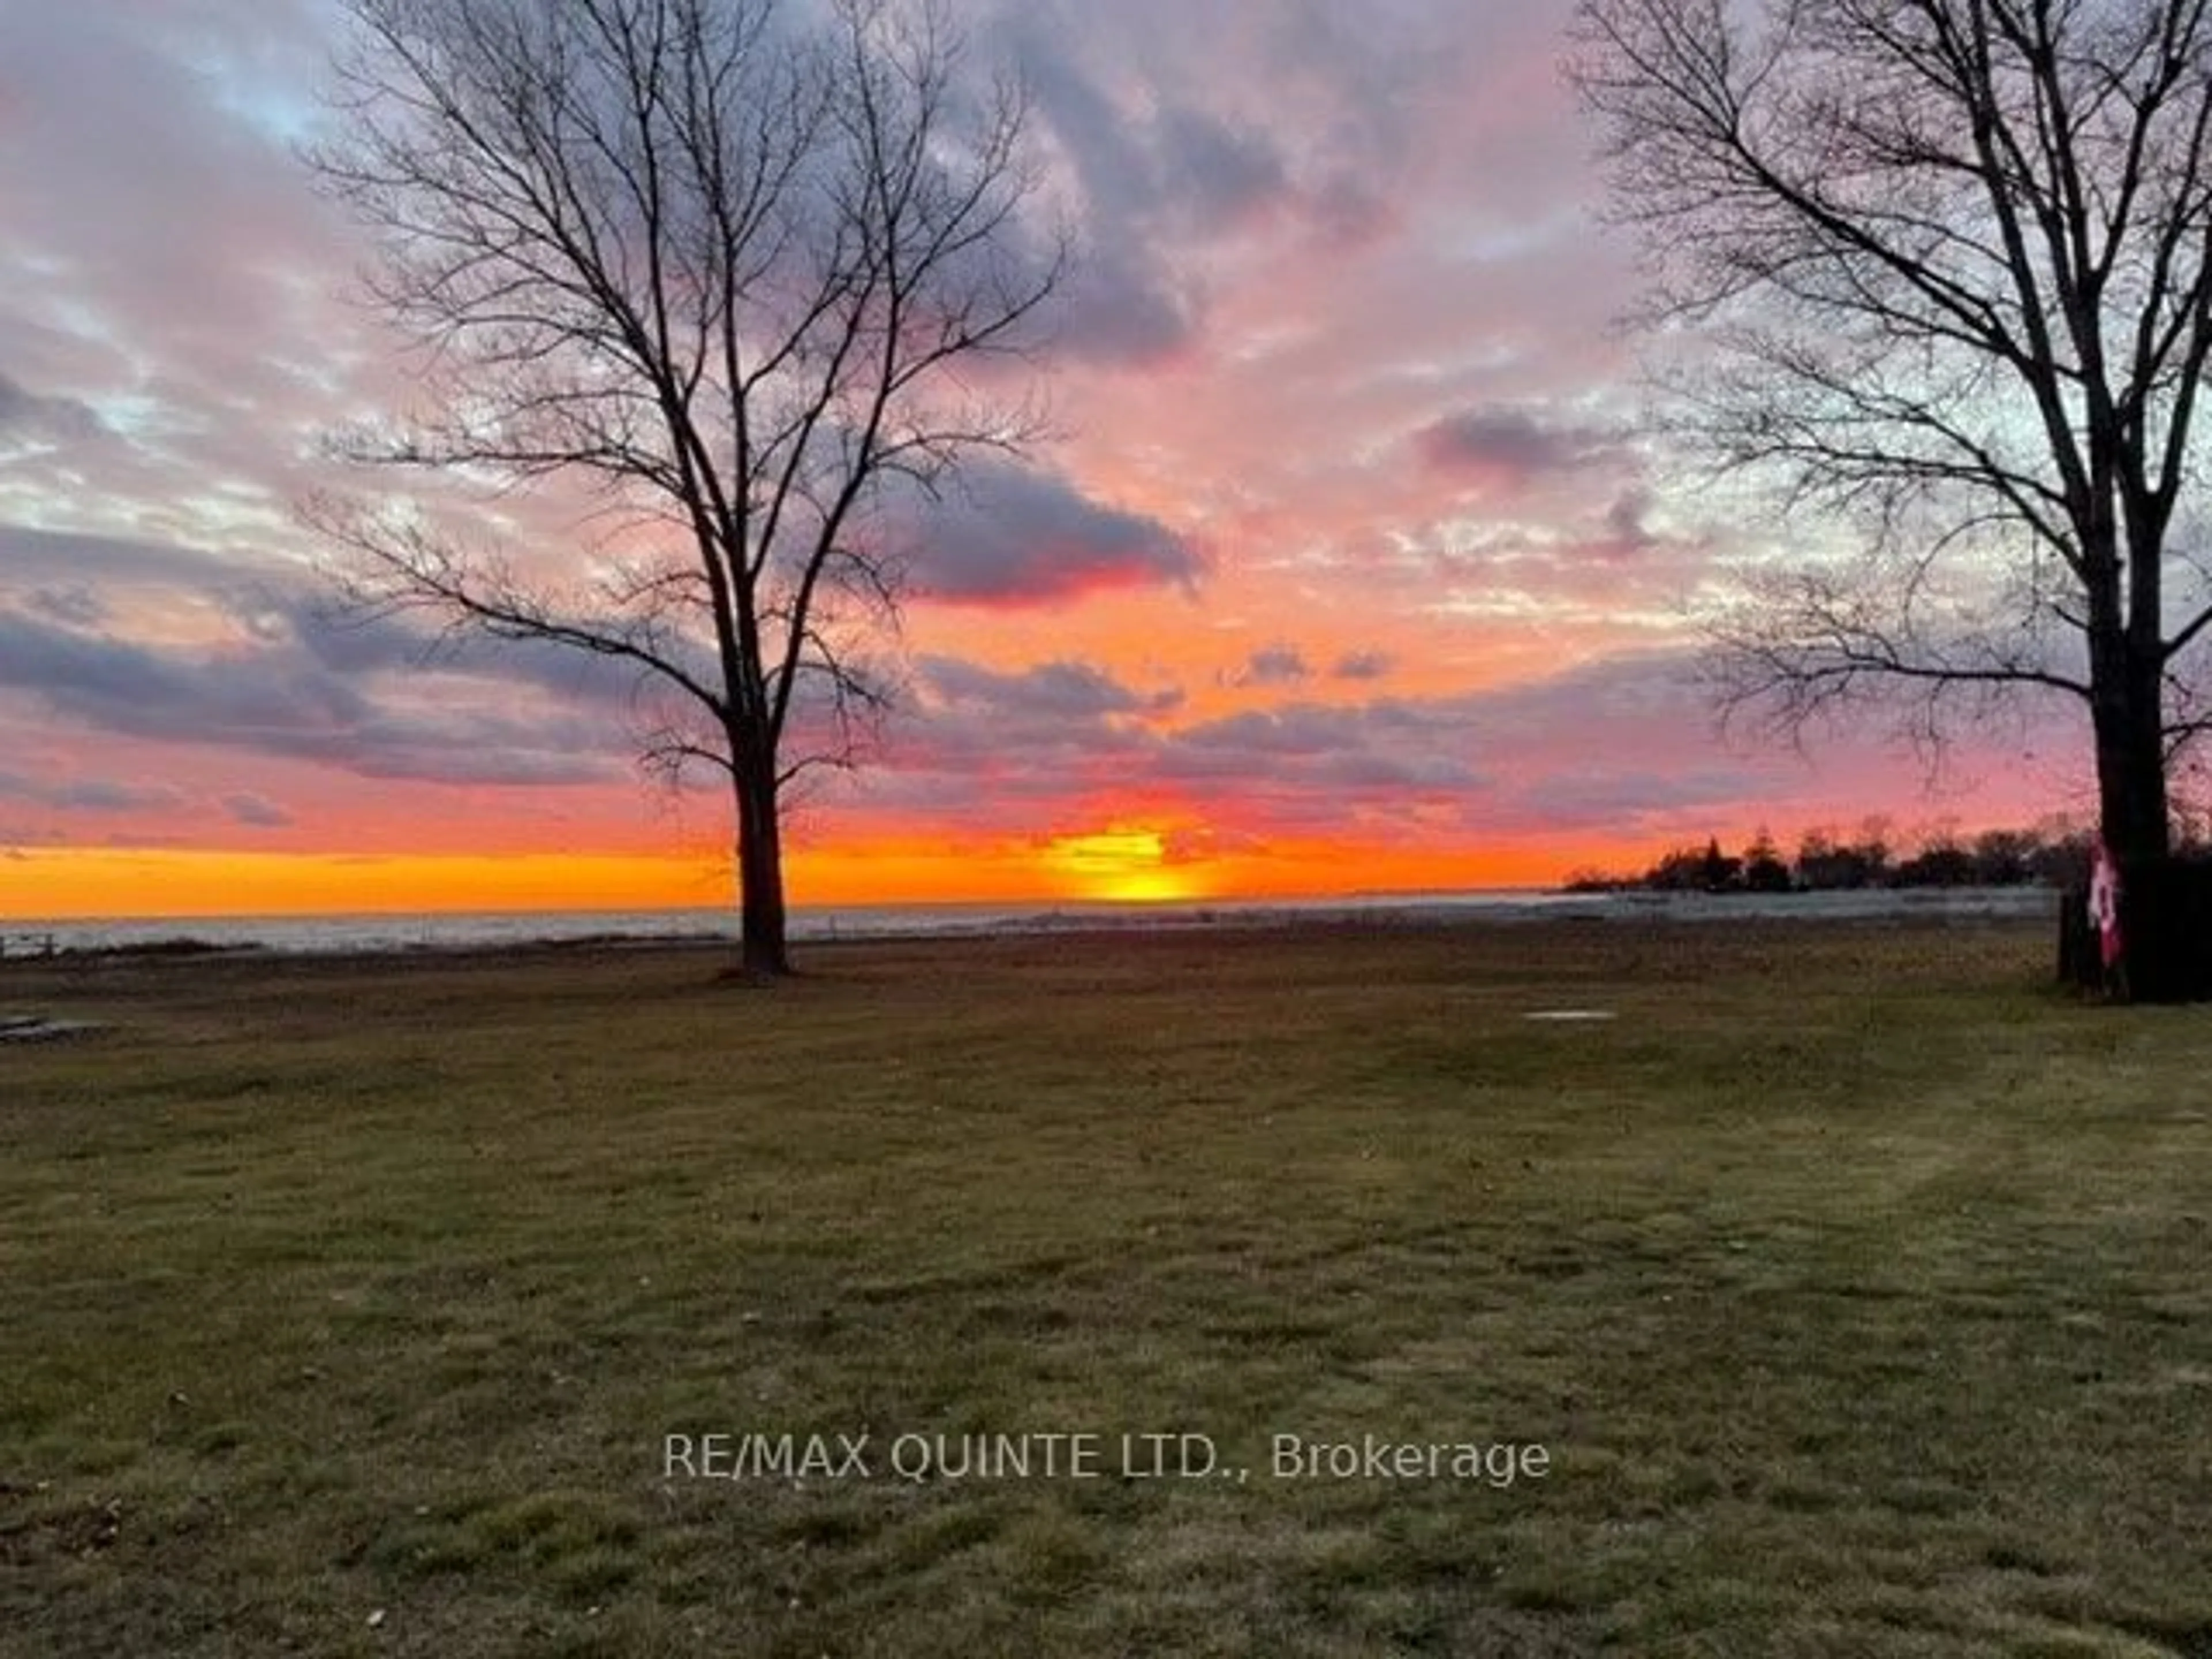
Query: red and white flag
x=2105, y=899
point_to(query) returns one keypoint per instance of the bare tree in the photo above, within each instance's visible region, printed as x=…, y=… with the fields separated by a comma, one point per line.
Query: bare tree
x=1948, y=267
x=724, y=261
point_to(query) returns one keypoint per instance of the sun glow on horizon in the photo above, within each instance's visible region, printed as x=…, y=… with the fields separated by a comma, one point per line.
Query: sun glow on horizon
x=1126, y=863
x=113, y=883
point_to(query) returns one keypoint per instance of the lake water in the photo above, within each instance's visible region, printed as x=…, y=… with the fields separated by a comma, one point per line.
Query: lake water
x=465, y=931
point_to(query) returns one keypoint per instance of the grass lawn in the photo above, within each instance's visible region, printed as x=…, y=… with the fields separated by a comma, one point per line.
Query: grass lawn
x=1854, y=1286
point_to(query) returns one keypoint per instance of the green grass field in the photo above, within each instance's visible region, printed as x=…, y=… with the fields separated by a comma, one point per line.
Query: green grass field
x=1855, y=1284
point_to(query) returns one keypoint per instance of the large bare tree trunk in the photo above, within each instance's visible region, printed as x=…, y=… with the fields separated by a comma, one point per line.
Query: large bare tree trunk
x=2131, y=787
x=2132, y=770
x=764, y=950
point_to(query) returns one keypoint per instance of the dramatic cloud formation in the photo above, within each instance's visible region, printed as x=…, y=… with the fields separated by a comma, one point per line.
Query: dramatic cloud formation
x=87, y=795
x=27, y=420
x=254, y=812
x=1510, y=449
x=278, y=701
x=1014, y=535
x=1276, y=664
x=1351, y=562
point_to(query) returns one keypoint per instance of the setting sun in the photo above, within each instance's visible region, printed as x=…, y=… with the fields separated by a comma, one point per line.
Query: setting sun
x=1128, y=866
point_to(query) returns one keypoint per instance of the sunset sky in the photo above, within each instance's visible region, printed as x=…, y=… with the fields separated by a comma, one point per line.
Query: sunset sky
x=1351, y=566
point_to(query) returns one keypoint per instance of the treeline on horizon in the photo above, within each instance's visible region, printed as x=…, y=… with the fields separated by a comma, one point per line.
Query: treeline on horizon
x=2055, y=853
